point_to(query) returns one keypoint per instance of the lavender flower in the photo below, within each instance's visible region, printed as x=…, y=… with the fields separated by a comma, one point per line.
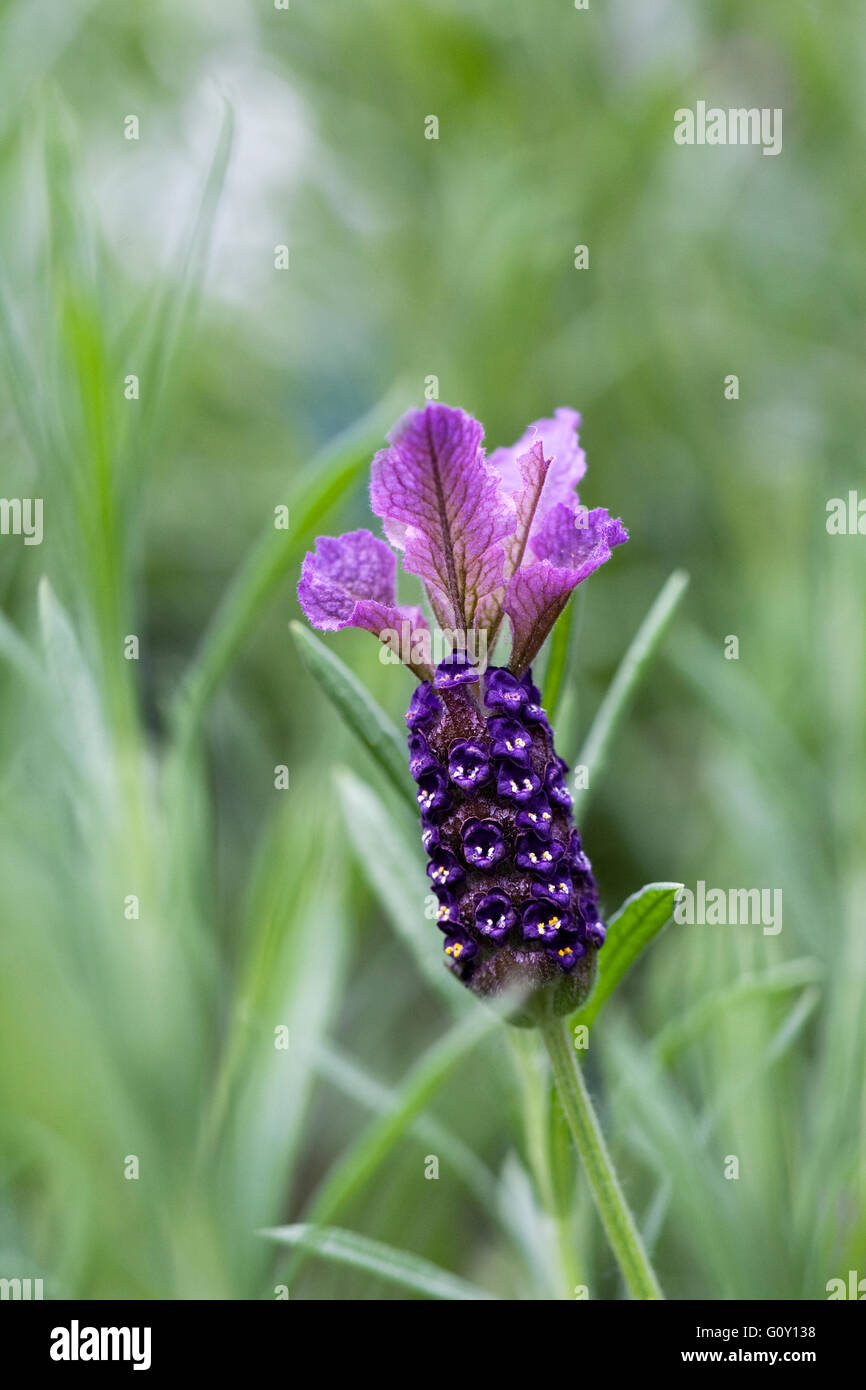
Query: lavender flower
x=490, y=538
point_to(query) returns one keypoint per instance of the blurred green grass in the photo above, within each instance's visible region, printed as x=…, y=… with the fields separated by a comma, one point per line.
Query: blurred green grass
x=154, y=1037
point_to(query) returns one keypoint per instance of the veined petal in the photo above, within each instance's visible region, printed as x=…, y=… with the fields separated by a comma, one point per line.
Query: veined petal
x=533, y=468
x=556, y=440
x=568, y=547
x=350, y=581
x=440, y=502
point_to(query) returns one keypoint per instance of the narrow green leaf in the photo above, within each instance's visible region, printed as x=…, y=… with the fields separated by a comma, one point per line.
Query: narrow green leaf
x=742, y=706
x=293, y=972
x=556, y=677
x=559, y=648
x=22, y=381
x=780, y=979
x=175, y=309
x=348, y=1175
x=384, y=1261
x=366, y=1090
x=16, y=653
x=392, y=861
x=78, y=708
x=633, y=927
x=353, y=701
x=629, y=674
x=726, y=1098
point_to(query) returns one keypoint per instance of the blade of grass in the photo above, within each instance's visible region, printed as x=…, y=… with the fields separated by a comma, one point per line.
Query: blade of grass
x=358, y=1085
x=562, y=648
x=392, y=861
x=78, y=706
x=359, y=710
x=621, y=691
x=350, y=1173
x=294, y=977
x=176, y=308
x=384, y=1261
x=492, y=1195
x=629, y=931
x=681, y=1032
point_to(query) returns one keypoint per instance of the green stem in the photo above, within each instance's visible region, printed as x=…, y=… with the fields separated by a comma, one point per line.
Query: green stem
x=535, y=1095
x=618, y=1222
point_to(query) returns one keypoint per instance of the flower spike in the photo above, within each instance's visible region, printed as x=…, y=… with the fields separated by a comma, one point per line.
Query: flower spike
x=488, y=537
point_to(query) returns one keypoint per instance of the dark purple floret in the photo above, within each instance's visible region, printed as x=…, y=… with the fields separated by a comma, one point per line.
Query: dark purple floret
x=468, y=764
x=460, y=947
x=483, y=844
x=444, y=867
x=432, y=795
x=558, y=888
x=567, y=955
x=510, y=740
x=503, y=691
x=532, y=712
x=495, y=916
x=591, y=926
x=457, y=669
x=517, y=900
x=580, y=864
x=517, y=783
x=421, y=760
x=555, y=784
x=429, y=836
x=538, y=856
x=448, y=912
x=544, y=920
x=537, y=816
x=423, y=707
x=596, y=933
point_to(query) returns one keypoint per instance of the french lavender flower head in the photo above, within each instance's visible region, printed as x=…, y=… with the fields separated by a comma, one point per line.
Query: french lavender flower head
x=490, y=538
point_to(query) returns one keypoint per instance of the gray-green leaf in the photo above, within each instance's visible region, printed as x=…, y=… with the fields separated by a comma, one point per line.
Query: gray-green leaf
x=633, y=927
x=385, y=1261
x=364, y=716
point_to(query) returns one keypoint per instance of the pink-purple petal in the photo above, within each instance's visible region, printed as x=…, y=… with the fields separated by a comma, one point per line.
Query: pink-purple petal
x=342, y=572
x=568, y=547
x=349, y=581
x=565, y=458
x=440, y=503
